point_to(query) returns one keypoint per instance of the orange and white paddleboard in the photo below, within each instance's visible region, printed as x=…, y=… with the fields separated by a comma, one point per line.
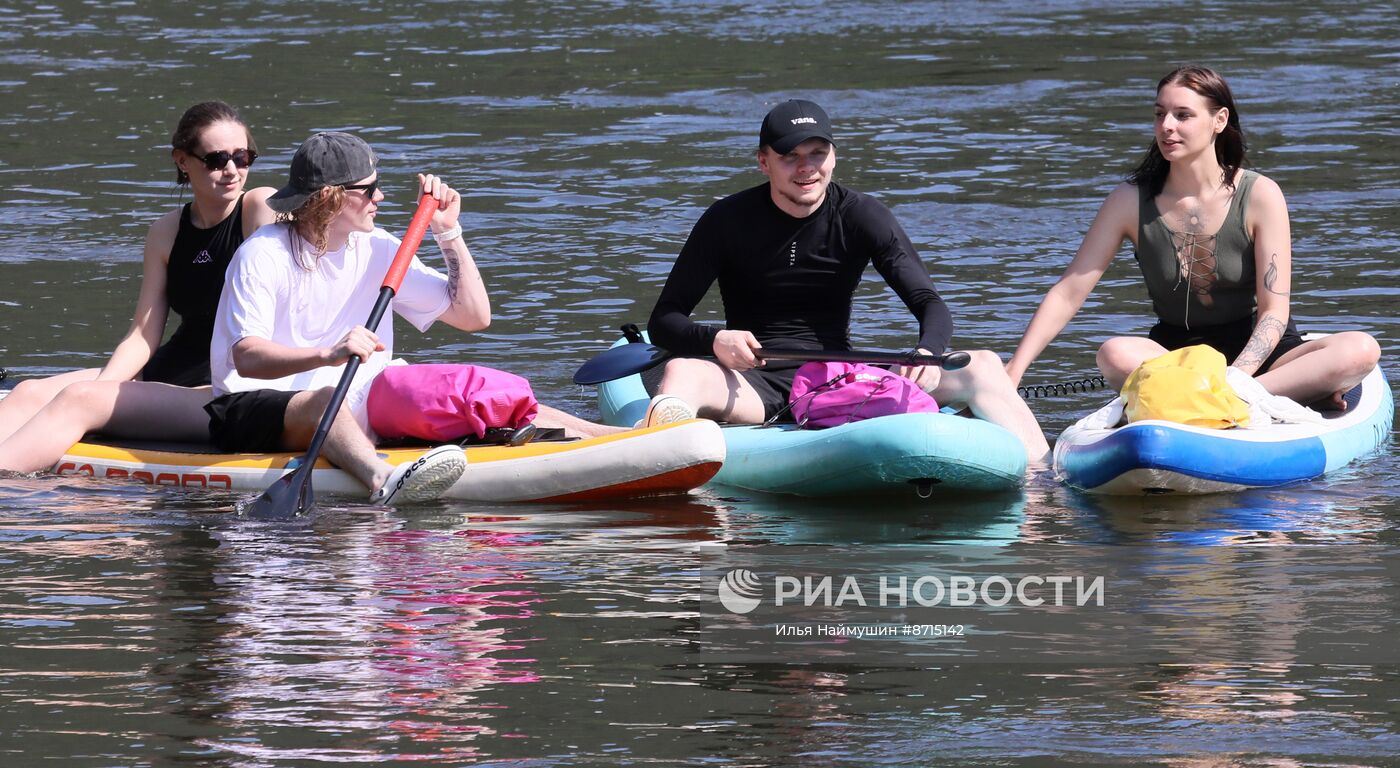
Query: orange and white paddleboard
x=666, y=459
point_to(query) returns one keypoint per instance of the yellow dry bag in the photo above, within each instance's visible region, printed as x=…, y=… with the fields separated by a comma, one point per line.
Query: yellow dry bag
x=1186, y=386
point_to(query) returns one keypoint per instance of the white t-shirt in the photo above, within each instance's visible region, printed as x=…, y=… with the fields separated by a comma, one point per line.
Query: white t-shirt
x=269, y=296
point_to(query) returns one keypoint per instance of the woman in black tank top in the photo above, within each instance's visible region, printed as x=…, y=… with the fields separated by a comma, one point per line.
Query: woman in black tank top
x=1214, y=246
x=143, y=390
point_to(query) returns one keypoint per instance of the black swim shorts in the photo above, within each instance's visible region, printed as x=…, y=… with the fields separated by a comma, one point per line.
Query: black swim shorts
x=1227, y=339
x=248, y=422
x=773, y=383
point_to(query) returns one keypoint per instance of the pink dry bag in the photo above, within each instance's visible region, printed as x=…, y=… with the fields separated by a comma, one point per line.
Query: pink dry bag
x=445, y=403
x=832, y=394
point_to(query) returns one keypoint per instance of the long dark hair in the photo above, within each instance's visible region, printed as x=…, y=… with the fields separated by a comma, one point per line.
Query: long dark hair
x=193, y=123
x=1230, y=145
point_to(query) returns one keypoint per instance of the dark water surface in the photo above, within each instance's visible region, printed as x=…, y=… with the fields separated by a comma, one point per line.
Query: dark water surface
x=144, y=627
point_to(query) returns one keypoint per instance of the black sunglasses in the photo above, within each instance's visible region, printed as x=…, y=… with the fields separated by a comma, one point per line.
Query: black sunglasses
x=215, y=161
x=369, y=189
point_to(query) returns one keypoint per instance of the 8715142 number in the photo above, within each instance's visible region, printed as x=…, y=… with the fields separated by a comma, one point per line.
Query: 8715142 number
x=933, y=630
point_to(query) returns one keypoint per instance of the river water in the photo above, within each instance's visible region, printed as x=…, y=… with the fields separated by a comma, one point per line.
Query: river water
x=146, y=627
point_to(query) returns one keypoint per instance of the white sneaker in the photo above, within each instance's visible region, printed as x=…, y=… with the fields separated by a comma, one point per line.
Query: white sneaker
x=666, y=409
x=425, y=478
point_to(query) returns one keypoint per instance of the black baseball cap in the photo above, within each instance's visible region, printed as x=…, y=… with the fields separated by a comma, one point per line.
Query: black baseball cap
x=324, y=160
x=793, y=122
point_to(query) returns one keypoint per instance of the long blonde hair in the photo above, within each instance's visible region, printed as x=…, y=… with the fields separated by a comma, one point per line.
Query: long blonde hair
x=312, y=220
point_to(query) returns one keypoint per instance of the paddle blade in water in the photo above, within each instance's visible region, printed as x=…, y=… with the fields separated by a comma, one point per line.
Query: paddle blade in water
x=289, y=496
x=622, y=360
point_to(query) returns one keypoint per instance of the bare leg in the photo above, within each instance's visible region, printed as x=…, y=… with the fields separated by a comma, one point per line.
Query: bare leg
x=1121, y=355
x=1323, y=367
x=984, y=387
x=136, y=409
x=346, y=445
x=573, y=426
x=1309, y=372
x=715, y=392
x=31, y=395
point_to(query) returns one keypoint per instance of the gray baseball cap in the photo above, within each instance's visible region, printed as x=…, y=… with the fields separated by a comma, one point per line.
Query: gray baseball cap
x=324, y=160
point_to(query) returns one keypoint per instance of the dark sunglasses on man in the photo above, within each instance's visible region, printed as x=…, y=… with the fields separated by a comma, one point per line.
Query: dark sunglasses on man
x=215, y=161
x=369, y=189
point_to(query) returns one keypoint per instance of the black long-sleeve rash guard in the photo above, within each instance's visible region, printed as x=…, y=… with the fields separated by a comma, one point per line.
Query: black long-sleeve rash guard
x=791, y=281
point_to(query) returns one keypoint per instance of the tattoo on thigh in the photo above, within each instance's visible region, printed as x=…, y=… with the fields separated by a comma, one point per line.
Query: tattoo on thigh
x=1267, y=333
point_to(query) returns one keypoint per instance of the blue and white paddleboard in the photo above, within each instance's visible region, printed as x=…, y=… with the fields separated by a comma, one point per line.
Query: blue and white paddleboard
x=923, y=453
x=1166, y=457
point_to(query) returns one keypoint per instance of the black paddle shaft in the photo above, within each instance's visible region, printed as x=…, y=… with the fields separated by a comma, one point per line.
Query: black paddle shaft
x=292, y=494
x=635, y=357
x=950, y=361
x=381, y=305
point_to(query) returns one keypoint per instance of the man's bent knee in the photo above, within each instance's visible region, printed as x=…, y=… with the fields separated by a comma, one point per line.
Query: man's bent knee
x=687, y=369
x=985, y=363
x=692, y=377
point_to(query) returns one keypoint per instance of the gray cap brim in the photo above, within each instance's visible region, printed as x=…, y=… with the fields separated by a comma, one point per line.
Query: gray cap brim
x=288, y=199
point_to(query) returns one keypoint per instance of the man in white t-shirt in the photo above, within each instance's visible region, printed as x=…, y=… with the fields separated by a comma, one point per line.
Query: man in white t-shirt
x=292, y=311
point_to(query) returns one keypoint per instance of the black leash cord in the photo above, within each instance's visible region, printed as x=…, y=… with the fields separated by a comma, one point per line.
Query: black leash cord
x=1063, y=388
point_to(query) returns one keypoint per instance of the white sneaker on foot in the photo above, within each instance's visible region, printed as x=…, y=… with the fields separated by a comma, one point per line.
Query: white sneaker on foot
x=666, y=409
x=425, y=478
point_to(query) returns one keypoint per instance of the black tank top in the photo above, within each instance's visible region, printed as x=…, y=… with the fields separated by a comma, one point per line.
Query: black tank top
x=194, y=278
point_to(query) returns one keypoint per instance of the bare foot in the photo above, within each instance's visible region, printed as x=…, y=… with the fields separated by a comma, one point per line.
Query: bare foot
x=1338, y=400
x=1331, y=403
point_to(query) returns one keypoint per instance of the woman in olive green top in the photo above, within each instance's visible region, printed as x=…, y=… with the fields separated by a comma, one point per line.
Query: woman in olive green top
x=1213, y=243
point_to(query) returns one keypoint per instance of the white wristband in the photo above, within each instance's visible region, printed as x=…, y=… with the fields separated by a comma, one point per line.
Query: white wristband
x=449, y=235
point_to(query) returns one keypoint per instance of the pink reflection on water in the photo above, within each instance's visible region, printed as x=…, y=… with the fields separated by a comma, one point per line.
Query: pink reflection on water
x=451, y=606
x=451, y=611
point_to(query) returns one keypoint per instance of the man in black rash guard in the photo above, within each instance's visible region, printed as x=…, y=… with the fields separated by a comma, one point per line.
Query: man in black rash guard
x=788, y=255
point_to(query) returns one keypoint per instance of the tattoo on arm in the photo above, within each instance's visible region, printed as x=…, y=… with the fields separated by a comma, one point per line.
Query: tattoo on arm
x=454, y=271
x=1271, y=276
x=1267, y=333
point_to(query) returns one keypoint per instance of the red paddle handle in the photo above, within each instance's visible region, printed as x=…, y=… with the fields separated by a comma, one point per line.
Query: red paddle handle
x=416, y=229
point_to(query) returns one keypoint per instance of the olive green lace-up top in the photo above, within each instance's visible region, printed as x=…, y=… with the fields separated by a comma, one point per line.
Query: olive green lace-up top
x=1198, y=280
